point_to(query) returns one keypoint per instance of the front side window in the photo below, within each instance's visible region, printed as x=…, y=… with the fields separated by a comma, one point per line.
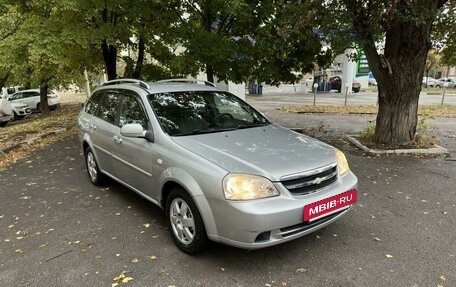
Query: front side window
x=132, y=112
x=195, y=112
x=16, y=96
x=109, y=106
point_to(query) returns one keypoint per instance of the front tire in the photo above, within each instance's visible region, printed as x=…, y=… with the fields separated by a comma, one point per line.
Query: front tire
x=95, y=176
x=185, y=223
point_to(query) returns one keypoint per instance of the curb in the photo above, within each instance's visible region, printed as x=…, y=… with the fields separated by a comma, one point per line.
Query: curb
x=34, y=139
x=431, y=151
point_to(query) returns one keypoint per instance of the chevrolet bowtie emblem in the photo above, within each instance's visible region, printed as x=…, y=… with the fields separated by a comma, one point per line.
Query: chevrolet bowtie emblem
x=317, y=180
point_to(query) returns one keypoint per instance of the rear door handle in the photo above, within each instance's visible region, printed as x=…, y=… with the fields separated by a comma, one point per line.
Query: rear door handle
x=117, y=139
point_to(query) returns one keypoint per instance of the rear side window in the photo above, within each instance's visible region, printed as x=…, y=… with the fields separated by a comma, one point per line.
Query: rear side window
x=92, y=103
x=109, y=106
x=31, y=94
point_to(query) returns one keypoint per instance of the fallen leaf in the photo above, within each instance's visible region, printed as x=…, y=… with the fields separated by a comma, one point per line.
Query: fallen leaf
x=377, y=239
x=301, y=270
x=135, y=260
x=442, y=278
x=389, y=256
x=146, y=225
x=126, y=279
x=153, y=257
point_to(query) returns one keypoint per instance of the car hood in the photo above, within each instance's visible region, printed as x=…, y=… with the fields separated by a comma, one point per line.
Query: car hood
x=270, y=151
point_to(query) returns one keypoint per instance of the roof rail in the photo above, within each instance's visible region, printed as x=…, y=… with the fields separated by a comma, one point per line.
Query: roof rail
x=127, y=81
x=184, y=80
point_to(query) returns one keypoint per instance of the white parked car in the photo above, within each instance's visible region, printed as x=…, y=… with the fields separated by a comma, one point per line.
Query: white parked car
x=431, y=82
x=6, y=112
x=20, y=110
x=32, y=99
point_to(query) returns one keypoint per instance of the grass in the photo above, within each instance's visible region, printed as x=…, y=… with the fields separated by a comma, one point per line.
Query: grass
x=430, y=110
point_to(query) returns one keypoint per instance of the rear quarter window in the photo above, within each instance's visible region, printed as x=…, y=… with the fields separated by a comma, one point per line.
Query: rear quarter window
x=92, y=104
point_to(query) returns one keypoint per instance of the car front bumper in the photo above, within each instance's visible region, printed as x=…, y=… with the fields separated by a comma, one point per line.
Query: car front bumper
x=267, y=222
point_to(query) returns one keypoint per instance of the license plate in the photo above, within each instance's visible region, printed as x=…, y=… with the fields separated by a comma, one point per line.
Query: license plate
x=329, y=205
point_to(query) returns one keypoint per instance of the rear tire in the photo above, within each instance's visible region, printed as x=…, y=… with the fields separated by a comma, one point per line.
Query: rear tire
x=96, y=177
x=185, y=223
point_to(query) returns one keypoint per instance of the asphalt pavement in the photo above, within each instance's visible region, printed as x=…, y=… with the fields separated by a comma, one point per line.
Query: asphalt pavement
x=59, y=230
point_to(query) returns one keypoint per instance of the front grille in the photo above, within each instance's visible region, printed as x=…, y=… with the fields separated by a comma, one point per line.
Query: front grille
x=311, y=182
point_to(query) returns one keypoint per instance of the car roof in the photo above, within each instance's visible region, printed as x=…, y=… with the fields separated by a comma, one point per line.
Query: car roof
x=29, y=90
x=164, y=86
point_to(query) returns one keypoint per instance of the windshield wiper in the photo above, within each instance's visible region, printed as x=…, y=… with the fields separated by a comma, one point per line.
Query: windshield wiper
x=252, y=125
x=199, y=132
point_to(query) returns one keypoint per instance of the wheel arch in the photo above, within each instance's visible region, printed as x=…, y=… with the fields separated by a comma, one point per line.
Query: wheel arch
x=188, y=184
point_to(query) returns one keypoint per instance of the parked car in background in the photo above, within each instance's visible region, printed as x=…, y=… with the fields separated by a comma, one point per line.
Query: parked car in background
x=33, y=100
x=216, y=166
x=450, y=80
x=372, y=82
x=20, y=110
x=336, y=84
x=431, y=82
x=6, y=112
x=8, y=91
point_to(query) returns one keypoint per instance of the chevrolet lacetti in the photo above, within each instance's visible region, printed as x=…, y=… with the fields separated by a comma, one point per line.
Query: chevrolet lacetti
x=216, y=166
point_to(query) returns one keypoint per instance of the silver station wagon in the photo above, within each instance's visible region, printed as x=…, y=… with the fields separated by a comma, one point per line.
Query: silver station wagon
x=216, y=166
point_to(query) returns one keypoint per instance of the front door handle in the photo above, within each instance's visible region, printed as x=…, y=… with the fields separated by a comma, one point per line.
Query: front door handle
x=117, y=139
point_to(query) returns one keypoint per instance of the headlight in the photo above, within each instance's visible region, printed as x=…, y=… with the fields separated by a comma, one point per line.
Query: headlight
x=342, y=163
x=246, y=187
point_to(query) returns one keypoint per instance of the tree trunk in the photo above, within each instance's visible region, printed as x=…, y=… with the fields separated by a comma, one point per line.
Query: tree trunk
x=110, y=59
x=399, y=73
x=397, y=115
x=44, y=107
x=140, y=61
x=5, y=78
x=210, y=73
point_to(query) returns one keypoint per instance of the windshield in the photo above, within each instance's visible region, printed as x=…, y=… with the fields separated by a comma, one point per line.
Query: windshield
x=196, y=112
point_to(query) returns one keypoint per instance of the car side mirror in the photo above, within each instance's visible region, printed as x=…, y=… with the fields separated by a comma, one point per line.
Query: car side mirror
x=136, y=131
